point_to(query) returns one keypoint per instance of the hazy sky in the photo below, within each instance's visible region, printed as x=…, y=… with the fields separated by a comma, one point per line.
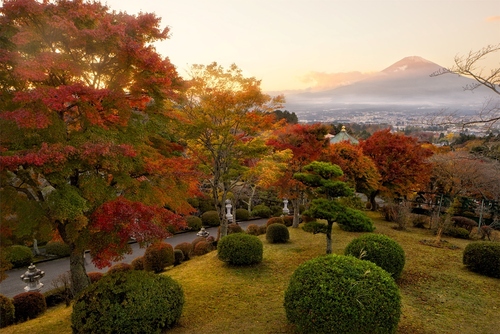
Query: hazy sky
x=288, y=44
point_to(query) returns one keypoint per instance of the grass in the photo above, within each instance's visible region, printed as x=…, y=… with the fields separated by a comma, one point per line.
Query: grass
x=439, y=295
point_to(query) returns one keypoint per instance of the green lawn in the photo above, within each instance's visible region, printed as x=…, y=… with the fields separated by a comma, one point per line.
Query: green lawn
x=439, y=294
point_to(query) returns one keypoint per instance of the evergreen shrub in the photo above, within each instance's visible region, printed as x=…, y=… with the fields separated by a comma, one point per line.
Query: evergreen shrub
x=194, y=223
x=457, y=232
x=196, y=240
x=158, y=256
x=288, y=220
x=262, y=211
x=242, y=214
x=342, y=294
x=119, y=267
x=315, y=227
x=203, y=247
x=57, y=248
x=262, y=229
x=354, y=221
x=7, y=311
x=128, y=302
x=253, y=229
x=178, y=257
x=277, y=233
x=29, y=305
x=19, y=256
x=240, y=249
x=275, y=220
x=138, y=263
x=186, y=248
x=95, y=276
x=233, y=228
x=210, y=218
x=483, y=257
x=379, y=249
x=56, y=296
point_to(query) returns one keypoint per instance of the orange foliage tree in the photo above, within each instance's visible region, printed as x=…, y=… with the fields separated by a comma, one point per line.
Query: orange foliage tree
x=84, y=112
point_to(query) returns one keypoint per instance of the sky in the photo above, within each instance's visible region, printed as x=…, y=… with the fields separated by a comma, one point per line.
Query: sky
x=299, y=44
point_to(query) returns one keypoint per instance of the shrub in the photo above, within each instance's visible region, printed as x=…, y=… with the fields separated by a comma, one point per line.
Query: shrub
x=196, y=240
x=307, y=219
x=464, y=222
x=186, y=248
x=19, y=256
x=202, y=248
x=262, y=229
x=277, y=233
x=210, y=218
x=240, y=249
x=457, y=232
x=354, y=221
x=119, y=267
x=178, y=257
x=138, y=263
x=379, y=249
x=29, y=305
x=253, y=229
x=158, y=256
x=353, y=202
x=194, y=223
x=262, y=211
x=242, y=214
x=55, y=296
x=288, y=220
x=129, y=302
x=342, y=294
x=419, y=221
x=390, y=212
x=234, y=228
x=483, y=257
x=57, y=248
x=315, y=227
x=275, y=220
x=7, y=311
x=95, y=276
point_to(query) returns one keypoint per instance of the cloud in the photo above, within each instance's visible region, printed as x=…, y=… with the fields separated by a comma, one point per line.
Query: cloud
x=492, y=18
x=323, y=80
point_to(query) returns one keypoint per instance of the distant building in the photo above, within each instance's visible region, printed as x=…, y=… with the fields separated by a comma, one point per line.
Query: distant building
x=343, y=136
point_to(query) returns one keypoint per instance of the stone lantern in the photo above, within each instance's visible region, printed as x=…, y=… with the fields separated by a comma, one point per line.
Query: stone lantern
x=203, y=233
x=229, y=216
x=32, y=278
x=286, y=211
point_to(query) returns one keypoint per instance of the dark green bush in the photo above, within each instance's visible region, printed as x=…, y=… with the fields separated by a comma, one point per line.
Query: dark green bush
x=342, y=294
x=464, y=222
x=128, y=302
x=19, y=256
x=57, y=248
x=178, y=257
x=457, y=232
x=483, y=257
x=275, y=220
x=138, y=263
x=315, y=227
x=288, y=220
x=95, y=276
x=262, y=211
x=242, y=214
x=194, y=223
x=379, y=249
x=186, y=248
x=240, y=249
x=354, y=221
x=29, y=305
x=56, y=296
x=253, y=229
x=262, y=229
x=119, y=267
x=158, y=256
x=202, y=248
x=277, y=233
x=210, y=218
x=353, y=202
x=233, y=228
x=7, y=311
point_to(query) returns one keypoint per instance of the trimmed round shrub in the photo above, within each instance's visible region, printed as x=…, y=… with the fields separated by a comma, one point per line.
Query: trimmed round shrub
x=158, y=256
x=242, y=214
x=128, y=302
x=95, y=276
x=262, y=211
x=234, y=228
x=7, y=311
x=354, y=221
x=210, y=218
x=29, y=305
x=262, y=229
x=56, y=296
x=253, y=229
x=240, y=249
x=196, y=240
x=457, y=232
x=138, y=263
x=277, y=233
x=275, y=220
x=315, y=227
x=57, y=248
x=19, y=256
x=288, y=220
x=483, y=257
x=186, y=248
x=203, y=247
x=194, y=223
x=119, y=267
x=379, y=249
x=342, y=294
x=178, y=257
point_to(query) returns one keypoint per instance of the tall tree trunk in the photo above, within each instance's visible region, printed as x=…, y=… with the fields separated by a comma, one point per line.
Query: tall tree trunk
x=373, y=202
x=329, y=238
x=35, y=246
x=296, y=213
x=79, y=278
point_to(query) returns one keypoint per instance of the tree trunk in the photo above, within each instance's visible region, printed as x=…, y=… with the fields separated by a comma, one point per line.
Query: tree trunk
x=329, y=238
x=35, y=247
x=373, y=202
x=79, y=278
x=296, y=213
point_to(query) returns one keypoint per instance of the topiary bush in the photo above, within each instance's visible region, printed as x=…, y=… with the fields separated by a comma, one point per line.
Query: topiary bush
x=277, y=233
x=233, y=228
x=240, y=249
x=138, y=263
x=242, y=214
x=55, y=296
x=57, y=248
x=196, y=240
x=354, y=221
x=342, y=294
x=95, y=276
x=194, y=223
x=178, y=257
x=262, y=229
x=7, y=311
x=262, y=211
x=186, y=248
x=19, y=256
x=128, y=302
x=119, y=267
x=464, y=222
x=483, y=257
x=379, y=249
x=315, y=227
x=203, y=247
x=29, y=305
x=210, y=218
x=253, y=229
x=457, y=232
x=288, y=220
x=275, y=220
x=158, y=256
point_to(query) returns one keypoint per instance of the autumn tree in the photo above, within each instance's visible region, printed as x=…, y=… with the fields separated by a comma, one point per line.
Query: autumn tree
x=221, y=118
x=306, y=142
x=85, y=138
x=401, y=161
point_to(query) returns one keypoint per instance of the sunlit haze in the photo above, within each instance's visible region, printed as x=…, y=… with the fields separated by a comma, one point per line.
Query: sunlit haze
x=296, y=44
